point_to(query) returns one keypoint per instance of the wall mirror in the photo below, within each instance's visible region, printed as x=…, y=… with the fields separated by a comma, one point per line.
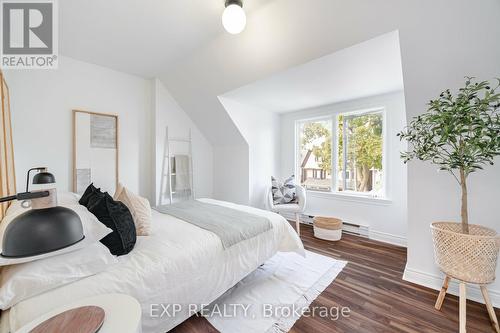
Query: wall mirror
x=95, y=151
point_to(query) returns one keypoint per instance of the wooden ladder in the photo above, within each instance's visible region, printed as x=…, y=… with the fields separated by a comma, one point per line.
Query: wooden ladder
x=167, y=175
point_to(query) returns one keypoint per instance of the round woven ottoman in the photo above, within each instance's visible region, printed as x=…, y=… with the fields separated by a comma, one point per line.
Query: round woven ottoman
x=327, y=228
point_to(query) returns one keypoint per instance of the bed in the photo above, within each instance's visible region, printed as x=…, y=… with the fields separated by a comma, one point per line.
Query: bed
x=179, y=263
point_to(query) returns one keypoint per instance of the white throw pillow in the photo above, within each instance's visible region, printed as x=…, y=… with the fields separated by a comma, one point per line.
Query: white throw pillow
x=20, y=282
x=284, y=193
x=93, y=231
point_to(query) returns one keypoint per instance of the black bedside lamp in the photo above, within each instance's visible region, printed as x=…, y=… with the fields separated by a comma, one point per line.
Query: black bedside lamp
x=42, y=177
x=40, y=230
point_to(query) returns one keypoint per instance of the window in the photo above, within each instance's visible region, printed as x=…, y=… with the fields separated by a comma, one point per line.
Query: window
x=356, y=159
x=360, y=153
x=315, y=154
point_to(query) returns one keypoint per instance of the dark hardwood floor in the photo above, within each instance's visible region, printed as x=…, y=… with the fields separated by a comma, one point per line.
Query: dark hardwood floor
x=371, y=286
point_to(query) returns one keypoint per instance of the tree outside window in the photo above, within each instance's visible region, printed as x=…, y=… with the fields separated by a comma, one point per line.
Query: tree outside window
x=316, y=155
x=359, y=153
x=362, y=141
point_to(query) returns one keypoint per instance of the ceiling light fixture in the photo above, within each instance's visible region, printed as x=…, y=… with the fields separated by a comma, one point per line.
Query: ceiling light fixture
x=234, y=18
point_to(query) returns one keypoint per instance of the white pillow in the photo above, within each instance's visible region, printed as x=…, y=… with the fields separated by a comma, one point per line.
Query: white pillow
x=20, y=282
x=93, y=231
x=284, y=193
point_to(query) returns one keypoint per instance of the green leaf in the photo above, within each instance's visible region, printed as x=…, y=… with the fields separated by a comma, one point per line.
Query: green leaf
x=459, y=130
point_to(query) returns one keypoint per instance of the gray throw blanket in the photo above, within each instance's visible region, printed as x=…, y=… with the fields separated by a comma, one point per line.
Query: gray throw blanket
x=230, y=225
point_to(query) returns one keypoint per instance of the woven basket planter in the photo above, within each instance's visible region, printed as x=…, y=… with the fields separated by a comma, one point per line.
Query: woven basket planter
x=467, y=257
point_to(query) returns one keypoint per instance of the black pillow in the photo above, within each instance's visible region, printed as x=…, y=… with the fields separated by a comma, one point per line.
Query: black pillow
x=116, y=216
x=90, y=191
x=94, y=198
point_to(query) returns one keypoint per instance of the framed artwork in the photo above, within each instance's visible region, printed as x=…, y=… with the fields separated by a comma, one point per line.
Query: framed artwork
x=95, y=151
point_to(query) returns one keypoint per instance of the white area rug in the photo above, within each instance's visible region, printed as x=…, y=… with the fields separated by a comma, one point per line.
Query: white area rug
x=267, y=300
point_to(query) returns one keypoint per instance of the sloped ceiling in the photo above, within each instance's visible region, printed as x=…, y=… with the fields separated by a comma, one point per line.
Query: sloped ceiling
x=184, y=44
x=367, y=69
x=142, y=37
x=279, y=35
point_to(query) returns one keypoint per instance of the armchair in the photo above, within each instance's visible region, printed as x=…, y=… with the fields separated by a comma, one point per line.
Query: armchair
x=296, y=208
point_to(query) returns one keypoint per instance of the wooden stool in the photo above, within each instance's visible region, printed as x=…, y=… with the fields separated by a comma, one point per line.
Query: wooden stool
x=463, y=303
x=327, y=228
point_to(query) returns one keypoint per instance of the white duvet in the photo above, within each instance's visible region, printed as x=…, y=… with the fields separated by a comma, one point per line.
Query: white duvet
x=178, y=264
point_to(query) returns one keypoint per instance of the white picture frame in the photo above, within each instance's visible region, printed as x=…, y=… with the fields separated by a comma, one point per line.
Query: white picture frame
x=95, y=151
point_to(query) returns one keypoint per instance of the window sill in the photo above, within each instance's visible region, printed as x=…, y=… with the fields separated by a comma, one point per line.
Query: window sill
x=350, y=197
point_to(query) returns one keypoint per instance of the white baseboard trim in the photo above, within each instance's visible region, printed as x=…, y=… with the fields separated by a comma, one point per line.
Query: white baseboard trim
x=436, y=281
x=387, y=238
x=362, y=230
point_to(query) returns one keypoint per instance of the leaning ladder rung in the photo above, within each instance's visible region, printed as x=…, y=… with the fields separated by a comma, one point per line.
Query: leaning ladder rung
x=179, y=139
x=187, y=154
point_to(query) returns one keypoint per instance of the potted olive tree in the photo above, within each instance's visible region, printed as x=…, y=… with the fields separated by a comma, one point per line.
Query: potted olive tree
x=460, y=133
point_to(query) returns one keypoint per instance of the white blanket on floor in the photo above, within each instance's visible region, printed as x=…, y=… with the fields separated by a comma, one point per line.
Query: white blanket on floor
x=275, y=294
x=178, y=263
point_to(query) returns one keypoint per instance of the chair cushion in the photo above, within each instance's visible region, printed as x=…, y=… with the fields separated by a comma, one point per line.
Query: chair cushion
x=284, y=193
x=292, y=208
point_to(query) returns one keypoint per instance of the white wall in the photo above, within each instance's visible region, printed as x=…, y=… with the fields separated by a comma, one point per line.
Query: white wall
x=261, y=130
x=387, y=220
x=231, y=172
x=42, y=102
x=168, y=113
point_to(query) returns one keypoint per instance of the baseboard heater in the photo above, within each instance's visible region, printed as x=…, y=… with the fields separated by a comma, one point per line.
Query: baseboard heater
x=356, y=229
x=349, y=227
